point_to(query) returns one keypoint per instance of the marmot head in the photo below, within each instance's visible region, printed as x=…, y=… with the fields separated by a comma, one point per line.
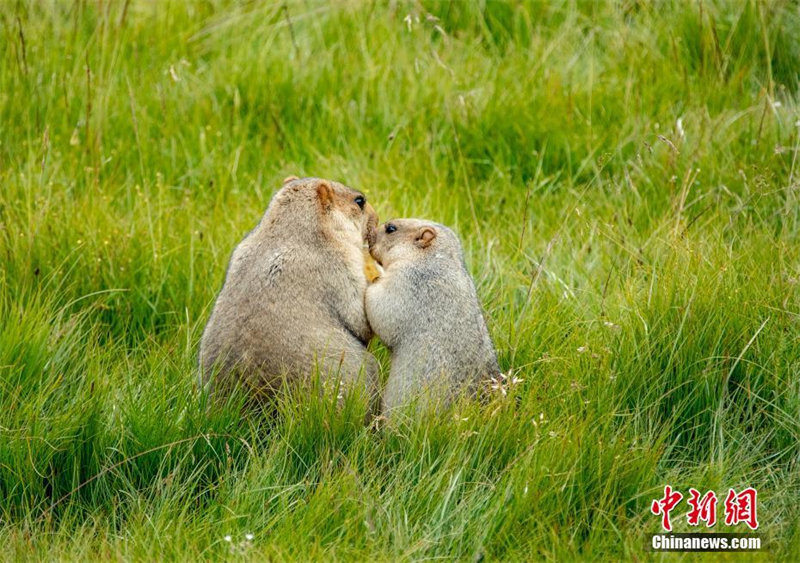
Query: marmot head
x=412, y=239
x=337, y=209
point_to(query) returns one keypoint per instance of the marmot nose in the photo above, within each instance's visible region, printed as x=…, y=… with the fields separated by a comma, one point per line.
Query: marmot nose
x=372, y=222
x=372, y=235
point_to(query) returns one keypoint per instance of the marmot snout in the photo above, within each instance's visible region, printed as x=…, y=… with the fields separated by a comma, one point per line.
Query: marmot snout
x=425, y=308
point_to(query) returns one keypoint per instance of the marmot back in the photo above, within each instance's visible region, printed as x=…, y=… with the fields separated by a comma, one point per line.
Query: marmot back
x=425, y=308
x=293, y=296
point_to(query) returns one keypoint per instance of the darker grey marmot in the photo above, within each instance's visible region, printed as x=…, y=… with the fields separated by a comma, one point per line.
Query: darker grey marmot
x=425, y=308
x=293, y=297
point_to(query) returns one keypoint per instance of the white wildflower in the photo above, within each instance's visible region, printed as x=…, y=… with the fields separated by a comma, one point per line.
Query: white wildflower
x=496, y=384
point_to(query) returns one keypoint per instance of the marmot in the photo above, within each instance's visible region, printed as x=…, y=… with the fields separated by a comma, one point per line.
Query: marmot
x=293, y=296
x=425, y=309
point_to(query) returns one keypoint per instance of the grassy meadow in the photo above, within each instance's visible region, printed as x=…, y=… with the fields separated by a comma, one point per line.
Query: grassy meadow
x=625, y=180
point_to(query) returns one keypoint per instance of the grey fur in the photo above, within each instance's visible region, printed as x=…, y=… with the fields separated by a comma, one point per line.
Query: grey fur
x=425, y=308
x=293, y=296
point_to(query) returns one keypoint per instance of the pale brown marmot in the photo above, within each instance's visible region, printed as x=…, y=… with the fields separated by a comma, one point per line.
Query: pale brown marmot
x=293, y=296
x=425, y=309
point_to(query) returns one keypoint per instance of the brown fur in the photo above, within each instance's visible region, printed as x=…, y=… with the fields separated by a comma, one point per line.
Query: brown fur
x=293, y=296
x=425, y=308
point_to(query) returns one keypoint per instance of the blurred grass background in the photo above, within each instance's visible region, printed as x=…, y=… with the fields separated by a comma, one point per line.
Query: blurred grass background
x=623, y=175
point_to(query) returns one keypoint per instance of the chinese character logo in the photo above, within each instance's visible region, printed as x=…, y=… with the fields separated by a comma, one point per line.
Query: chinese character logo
x=741, y=508
x=703, y=509
x=665, y=505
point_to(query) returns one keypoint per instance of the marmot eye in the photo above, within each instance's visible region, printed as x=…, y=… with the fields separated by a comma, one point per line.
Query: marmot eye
x=360, y=201
x=390, y=229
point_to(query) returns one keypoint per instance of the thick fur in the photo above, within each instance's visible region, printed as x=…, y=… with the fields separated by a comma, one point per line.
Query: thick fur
x=425, y=309
x=293, y=297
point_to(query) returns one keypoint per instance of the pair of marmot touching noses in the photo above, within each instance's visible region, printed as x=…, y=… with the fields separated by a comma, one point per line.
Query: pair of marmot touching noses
x=296, y=299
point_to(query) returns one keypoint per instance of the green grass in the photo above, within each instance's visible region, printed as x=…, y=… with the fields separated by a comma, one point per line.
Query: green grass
x=640, y=273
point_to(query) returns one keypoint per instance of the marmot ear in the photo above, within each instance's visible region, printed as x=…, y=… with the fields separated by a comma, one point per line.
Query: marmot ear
x=325, y=194
x=290, y=179
x=425, y=237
